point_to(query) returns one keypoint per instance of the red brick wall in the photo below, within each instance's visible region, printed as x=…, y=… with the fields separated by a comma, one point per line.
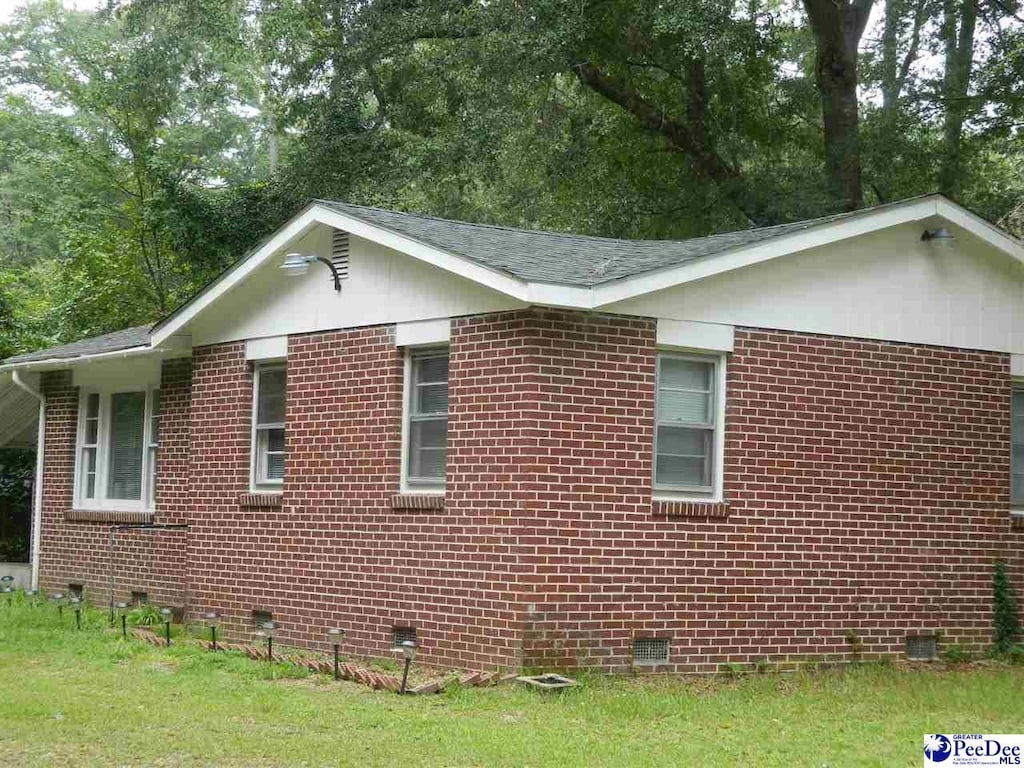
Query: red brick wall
x=867, y=490
x=868, y=493
x=76, y=551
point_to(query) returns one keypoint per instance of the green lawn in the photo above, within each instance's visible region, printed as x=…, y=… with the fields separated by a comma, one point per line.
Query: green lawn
x=70, y=698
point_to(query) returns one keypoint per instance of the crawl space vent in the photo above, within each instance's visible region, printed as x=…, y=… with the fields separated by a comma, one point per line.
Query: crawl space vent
x=921, y=647
x=139, y=598
x=650, y=650
x=400, y=634
x=259, y=618
x=339, y=253
x=75, y=590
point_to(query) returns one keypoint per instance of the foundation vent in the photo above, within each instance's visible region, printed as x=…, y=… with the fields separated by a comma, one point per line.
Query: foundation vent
x=648, y=651
x=259, y=618
x=76, y=590
x=921, y=647
x=339, y=253
x=400, y=635
x=139, y=598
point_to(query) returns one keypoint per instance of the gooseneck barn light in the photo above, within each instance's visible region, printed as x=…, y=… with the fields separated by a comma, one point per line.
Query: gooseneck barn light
x=296, y=264
x=939, y=238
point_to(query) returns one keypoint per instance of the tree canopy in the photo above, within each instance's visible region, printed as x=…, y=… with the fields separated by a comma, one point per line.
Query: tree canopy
x=147, y=144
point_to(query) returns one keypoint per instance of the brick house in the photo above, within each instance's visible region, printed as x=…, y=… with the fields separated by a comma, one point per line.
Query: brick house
x=799, y=443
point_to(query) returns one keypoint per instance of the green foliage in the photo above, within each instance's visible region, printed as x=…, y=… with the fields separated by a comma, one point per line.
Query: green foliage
x=1005, y=617
x=955, y=654
x=145, y=615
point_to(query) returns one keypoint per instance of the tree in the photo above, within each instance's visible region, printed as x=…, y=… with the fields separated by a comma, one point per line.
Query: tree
x=838, y=26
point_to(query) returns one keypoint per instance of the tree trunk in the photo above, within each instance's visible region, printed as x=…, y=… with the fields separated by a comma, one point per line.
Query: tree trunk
x=838, y=26
x=958, y=30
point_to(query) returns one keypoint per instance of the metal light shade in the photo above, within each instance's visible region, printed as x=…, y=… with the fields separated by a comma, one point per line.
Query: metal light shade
x=167, y=613
x=335, y=635
x=121, y=606
x=266, y=629
x=31, y=592
x=57, y=596
x=296, y=264
x=6, y=590
x=408, y=649
x=939, y=238
x=212, y=618
x=75, y=601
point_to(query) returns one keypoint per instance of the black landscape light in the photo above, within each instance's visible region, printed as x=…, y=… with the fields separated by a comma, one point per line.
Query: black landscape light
x=409, y=651
x=266, y=631
x=76, y=606
x=122, y=611
x=9, y=592
x=31, y=595
x=58, y=598
x=212, y=618
x=167, y=614
x=334, y=637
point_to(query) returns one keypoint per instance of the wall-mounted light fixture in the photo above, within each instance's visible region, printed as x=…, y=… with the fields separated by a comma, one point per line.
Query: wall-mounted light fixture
x=938, y=238
x=296, y=264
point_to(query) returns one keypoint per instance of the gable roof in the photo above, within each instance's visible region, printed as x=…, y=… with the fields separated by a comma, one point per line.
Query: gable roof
x=117, y=341
x=566, y=259
x=545, y=268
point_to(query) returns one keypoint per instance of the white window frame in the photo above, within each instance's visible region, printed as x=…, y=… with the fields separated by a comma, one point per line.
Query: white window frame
x=146, y=501
x=414, y=485
x=713, y=492
x=257, y=482
x=1016, y=506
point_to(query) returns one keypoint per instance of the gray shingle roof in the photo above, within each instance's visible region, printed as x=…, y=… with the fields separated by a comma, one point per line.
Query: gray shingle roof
x=111, y=342
x=567, y=259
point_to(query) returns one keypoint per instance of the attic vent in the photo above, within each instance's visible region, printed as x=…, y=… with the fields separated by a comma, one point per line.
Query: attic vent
x=921, y=647
x=339, y=253
x=650, y=650
x=400, y=634
x=259, y=618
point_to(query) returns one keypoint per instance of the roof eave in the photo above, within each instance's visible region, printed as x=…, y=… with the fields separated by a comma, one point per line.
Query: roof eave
x=60, y=363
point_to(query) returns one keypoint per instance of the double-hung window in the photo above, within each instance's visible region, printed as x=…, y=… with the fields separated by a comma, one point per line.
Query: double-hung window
x=687, y=424
x=117, y=438
x=268, y=427
x=1017, y=449
x=426, y=422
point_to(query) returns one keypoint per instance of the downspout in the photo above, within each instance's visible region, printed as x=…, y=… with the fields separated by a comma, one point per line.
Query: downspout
x=37, y=502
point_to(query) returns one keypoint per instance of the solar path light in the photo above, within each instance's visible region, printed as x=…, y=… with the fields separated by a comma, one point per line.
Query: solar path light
x=409, y=651
x=334, y=637
x=266, y=631
x=167, y=614
x=76, y=606
x=122, y=611
x=58, y=598
x=212, y=619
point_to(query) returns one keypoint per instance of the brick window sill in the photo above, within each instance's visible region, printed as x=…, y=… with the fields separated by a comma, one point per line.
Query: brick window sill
x=261, y=500
x=687, y=508
x=417, y=501
x=106, y=516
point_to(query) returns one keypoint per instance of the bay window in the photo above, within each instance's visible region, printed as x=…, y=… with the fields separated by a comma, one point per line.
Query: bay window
x=116, y=458
x=426, y=419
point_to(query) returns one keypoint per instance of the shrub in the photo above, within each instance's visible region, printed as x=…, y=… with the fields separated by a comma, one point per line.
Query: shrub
x=955, y=654
x=145, y=615
x=1005, y=620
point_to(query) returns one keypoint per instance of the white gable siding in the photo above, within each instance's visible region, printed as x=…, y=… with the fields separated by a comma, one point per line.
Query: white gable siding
x=384, y=286
x=885, y=285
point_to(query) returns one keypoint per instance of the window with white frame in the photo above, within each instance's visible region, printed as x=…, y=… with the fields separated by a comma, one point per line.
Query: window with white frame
x=687, y=428
x=115, y=467
x=268, y=426
x=1017, y=448
x=426, y=422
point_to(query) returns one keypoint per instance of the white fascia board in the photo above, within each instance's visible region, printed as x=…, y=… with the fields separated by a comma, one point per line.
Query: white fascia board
x=980, y=228
x=745, y=256
x=290, y=231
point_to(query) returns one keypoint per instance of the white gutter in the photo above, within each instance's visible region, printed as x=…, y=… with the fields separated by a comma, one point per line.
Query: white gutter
x=56, y=363
x=37, y=502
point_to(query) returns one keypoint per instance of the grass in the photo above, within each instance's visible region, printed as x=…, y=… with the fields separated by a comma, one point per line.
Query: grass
x=90, y=699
